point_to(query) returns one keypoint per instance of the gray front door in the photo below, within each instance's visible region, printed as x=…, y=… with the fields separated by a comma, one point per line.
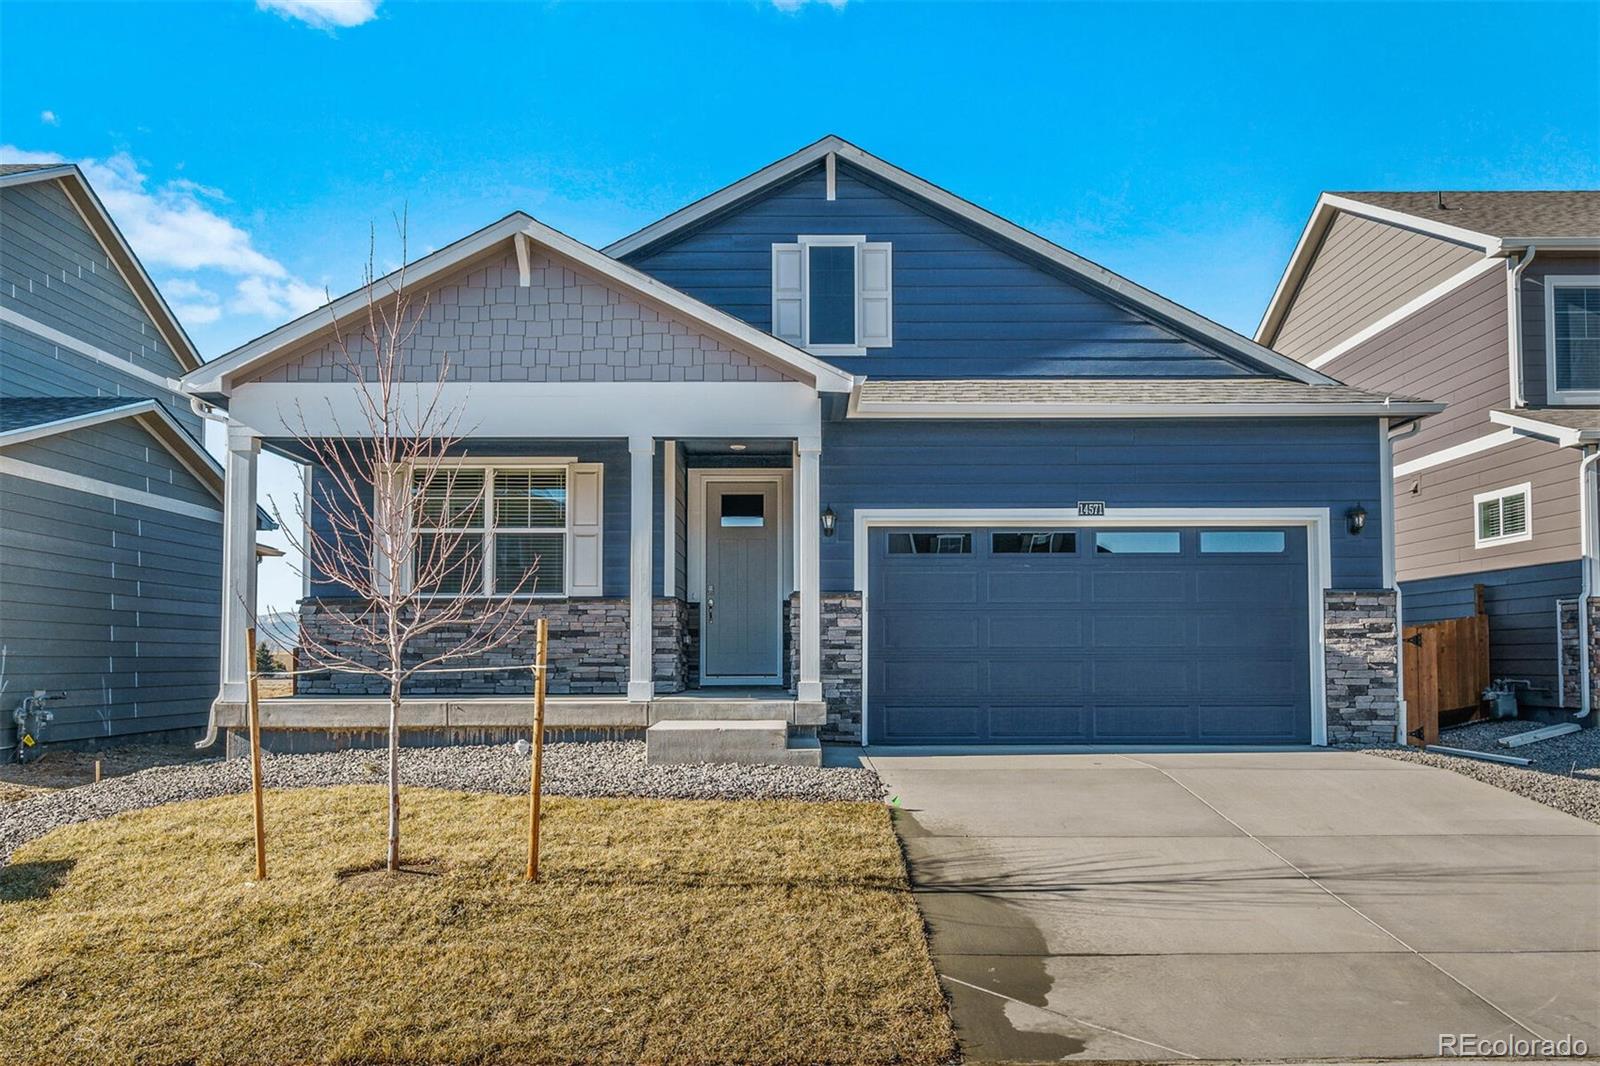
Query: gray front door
x=742, y=610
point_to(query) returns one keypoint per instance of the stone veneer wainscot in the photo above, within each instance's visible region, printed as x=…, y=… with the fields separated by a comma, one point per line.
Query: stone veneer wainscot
x=1360, y=643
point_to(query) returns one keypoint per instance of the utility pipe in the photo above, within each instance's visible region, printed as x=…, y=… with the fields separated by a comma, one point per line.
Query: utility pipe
x=1585, y=544
x=1514, y=326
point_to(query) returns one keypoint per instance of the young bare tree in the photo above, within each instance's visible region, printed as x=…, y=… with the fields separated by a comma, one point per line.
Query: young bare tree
x=396, y=524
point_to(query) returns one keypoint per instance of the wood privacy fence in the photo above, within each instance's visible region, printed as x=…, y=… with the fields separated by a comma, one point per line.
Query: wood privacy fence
x=1446, y=670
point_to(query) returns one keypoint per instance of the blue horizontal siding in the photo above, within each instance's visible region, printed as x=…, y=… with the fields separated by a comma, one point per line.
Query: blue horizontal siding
x=1330, y=463
x=1521, y=604
x=963, y=304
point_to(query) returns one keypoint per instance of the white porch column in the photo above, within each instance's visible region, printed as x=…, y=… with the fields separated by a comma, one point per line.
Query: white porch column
x=808, y=580
x=641, y=450
x=238, y=558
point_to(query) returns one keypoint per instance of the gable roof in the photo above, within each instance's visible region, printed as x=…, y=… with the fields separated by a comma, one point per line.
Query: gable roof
x=28, y=418
x=1495, y=223
x=99, y=222
x=216, y=377
x=1187, y=322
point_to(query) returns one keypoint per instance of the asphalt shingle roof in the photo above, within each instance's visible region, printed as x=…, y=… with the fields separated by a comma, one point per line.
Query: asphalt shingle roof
x=1554, y=213
x=23, y=168
x=1117, y=391
x=25, y=412
x=1579, y=418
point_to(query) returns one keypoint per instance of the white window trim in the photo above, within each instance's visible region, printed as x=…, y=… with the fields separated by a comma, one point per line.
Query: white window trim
x=1319, y=561
x=1552, y=282
x=1524, y=490
x=857, y=241
x=489, y=465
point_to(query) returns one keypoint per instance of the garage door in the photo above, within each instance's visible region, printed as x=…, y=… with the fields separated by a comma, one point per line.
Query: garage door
x=1125, y=636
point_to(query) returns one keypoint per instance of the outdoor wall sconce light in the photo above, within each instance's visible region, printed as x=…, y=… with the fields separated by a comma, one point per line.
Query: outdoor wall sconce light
x=829, y=521
x=1357, y=519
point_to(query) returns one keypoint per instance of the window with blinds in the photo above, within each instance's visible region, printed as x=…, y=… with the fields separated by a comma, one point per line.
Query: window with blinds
x=1503, y=516
x=491, y=530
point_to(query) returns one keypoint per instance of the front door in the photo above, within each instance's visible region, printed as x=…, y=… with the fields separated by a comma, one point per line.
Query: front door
x=740, y=639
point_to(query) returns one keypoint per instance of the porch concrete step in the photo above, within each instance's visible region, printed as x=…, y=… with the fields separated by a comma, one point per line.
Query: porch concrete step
x=667, y=709
x=747, y=741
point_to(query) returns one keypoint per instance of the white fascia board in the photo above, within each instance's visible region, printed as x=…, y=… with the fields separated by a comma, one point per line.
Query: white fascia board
x=1464, y=450
x=1139, y=410
x=1405, y=310
x=216, y=377
x=1177, y=314
x=1552, y=244
x=81, y=195
x=1322, y=216
x=72, y=422
x=1526, y=425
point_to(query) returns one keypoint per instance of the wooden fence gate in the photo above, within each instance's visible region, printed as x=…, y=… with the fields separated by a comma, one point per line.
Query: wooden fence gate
x=1446, y=670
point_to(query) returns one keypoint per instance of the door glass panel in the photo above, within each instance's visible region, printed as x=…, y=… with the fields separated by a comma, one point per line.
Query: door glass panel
x=1034, y=543
x=1162, y=542
x=1243, y=541
x=930, y=544
x=743, y=509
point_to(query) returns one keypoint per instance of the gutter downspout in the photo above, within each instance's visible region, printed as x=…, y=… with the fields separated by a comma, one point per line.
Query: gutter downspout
x=1586, y=544
x=1514, y=325
x=210, y=414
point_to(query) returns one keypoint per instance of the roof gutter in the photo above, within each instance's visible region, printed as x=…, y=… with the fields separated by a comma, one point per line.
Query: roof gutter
x=1514, y=322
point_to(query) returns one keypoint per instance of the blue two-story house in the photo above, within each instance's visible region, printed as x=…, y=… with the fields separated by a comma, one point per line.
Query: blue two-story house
x=837, y=451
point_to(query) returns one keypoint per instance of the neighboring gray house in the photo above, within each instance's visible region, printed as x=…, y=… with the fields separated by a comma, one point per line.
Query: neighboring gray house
x=832, y=451
x=110, y=517
x=1489, y=301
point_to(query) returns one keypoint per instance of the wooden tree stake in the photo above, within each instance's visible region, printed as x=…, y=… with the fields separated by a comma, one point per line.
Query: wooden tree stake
x=537, y=755
x=255, y=757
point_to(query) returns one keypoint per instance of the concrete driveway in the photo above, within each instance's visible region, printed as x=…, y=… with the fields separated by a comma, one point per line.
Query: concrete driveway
x=1308, y=904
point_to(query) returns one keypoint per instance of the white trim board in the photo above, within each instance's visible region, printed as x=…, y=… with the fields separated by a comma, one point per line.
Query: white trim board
x=1319, y=562
x=96, y=487
x=1525, y=490
x=217, y=376
x=1528, y=425
x=116, y=362
x=858, y=408
x=1465, y=449
x=1175, y=314
x=1404, y=311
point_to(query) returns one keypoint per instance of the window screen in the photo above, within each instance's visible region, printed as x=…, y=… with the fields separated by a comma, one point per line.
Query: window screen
x=930, y=544
x=1162, y=542
x=743, y=509
x=1033, y=543
x=833, y=295
x=1577, y=336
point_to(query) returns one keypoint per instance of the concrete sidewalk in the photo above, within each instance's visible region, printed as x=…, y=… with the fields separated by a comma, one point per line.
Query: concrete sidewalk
x=1306, y=904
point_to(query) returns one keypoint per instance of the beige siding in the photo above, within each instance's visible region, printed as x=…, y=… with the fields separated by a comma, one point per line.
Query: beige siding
x=1434, y=516
x=1453, y=351
x=1362, y=270
x=483, y=325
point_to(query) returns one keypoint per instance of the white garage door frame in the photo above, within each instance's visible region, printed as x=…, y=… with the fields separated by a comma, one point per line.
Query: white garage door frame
x=1319, y=566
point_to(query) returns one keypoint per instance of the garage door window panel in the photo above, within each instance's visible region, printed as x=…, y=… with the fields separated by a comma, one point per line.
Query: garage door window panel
x=1139, y=542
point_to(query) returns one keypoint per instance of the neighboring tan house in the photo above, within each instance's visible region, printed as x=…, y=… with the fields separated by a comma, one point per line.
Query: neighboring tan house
x=835, y=452
x=1489, y=301
x=110, y=508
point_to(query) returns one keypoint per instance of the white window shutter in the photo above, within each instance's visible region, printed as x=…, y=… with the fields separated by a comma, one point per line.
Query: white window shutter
x=875, y=291
x=788, y=294
x=585, y=511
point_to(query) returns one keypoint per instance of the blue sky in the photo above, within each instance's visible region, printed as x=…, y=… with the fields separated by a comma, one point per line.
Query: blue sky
x=246, y=147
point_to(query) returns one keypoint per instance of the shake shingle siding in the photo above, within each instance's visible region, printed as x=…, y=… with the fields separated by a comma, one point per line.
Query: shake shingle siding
x=114, y=603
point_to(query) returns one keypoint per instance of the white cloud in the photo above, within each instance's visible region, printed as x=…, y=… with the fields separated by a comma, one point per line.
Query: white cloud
x=796, y=5
x=177, y=227
x=49, y=118
x=324, y=14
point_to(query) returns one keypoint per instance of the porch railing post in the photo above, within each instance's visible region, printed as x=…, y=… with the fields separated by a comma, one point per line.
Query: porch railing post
x=238, y=559
x=641, y=452
x=807, y=511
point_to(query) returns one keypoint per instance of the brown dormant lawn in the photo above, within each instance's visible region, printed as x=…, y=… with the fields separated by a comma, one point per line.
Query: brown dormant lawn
x=662, y=931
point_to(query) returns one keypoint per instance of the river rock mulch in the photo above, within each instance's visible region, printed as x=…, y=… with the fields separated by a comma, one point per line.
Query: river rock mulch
x=1565, y=773
x=612, y=768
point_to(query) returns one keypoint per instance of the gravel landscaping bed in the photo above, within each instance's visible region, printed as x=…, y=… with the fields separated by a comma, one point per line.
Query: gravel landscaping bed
x=1565, y=773
x=615, y=768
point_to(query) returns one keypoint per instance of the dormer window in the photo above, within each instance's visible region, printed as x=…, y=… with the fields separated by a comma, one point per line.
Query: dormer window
x=833, y=294
x=1572, y=338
